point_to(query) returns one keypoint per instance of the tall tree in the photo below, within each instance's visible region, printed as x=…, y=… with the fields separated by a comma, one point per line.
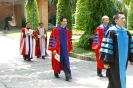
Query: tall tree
x=127, y=2
x=88, y=17
x=64, y=8
x=32, y=14
x=130, y=16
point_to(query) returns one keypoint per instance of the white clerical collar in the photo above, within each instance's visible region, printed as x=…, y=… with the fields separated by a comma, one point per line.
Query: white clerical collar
x=41, y=28
x=105, y=25
x=119, y=27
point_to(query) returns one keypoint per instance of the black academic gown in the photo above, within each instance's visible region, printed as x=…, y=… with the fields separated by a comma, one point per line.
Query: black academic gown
x=117, y=50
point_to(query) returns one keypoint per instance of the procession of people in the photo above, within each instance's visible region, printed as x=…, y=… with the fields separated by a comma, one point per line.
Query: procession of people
x=108, y=45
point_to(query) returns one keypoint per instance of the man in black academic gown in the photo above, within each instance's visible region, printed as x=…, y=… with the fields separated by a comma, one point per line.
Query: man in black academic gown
x=116, y=51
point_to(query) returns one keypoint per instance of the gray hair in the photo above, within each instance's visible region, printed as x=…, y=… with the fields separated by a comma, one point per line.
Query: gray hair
x=104, y=17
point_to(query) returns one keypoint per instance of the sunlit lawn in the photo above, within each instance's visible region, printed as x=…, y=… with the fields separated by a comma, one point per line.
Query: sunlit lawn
x=76, y=35
x=15, y=34
x=131, y=31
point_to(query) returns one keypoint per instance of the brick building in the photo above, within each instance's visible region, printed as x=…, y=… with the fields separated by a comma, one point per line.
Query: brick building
x=6, y=9
x=52, y=10
x=16, y=9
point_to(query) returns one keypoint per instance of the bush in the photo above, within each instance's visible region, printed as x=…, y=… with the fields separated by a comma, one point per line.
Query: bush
x=88, y=17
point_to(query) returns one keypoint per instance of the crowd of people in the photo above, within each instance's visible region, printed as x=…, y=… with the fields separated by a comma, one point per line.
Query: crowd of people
x=113, y=47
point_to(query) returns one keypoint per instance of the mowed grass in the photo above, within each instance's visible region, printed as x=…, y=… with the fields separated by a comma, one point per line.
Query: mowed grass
x=131, y=31
x=15, y=34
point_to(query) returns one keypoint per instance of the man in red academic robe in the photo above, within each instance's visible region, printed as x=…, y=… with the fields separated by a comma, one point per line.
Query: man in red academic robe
x=41, y=41
x=96, y=45
x=26, y=42
x=60, y=45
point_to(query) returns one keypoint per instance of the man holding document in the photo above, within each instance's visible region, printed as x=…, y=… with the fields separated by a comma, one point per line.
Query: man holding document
x=60, y=44
x=26, y=42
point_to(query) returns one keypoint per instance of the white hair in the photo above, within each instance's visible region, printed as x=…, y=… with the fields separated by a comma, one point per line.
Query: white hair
x=104, y=17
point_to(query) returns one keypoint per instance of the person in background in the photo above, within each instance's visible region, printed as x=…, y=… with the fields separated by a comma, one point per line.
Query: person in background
x=41, y=41
x=6, y=26
x=27, y=42
x=96, y=45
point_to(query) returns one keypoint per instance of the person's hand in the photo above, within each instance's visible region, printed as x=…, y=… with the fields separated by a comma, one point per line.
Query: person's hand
x=32, y=35
x=131, y=63
x=27, y=34
x=107, y=66
x=54, y=52
x=43, y=36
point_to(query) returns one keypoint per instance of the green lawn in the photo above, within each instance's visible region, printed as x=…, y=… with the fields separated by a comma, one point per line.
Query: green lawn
x=131, y=31
x=76, y=35
x=15, y=33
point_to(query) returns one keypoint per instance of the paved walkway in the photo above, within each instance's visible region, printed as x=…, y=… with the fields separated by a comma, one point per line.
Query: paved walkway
x=17, y=73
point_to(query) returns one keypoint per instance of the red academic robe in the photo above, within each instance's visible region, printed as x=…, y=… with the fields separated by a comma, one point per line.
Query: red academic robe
x=24, y=43
x=96, y=45
x=37, y=46
x=54, y=44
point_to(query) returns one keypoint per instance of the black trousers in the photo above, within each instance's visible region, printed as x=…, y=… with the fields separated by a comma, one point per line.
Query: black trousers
x=6, y=26
x=66, y=71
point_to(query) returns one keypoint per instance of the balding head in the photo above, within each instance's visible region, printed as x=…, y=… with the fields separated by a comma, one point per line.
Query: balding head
x=105, y=20
x=105, y=17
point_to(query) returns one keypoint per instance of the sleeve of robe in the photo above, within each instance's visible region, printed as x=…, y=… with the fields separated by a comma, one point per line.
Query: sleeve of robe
x=69, y=41
x=22, y=50
x=98, y=36
x=53, y=40
x=107, y=48
x=45, y=32
x=130, y=58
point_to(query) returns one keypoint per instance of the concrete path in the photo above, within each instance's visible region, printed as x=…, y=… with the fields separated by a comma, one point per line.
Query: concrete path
x=17, y=73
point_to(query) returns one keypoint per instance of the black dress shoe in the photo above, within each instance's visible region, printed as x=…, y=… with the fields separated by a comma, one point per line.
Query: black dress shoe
x=37, y=56
x=29, y=59
x=43, y=57
x=24, y=58
x=70, y=77
x=108, y=86
x=67, y=78
x=100, y=75
x=56, y=75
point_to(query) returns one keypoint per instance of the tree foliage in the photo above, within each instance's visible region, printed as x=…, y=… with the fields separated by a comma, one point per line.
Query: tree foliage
x=130, y=16
x=64, y=10
x=127, y=2
x=88, y=17
x=32, y=14
x=82, y=15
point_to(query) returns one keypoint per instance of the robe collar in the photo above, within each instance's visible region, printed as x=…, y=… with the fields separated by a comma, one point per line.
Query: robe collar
x=28, y=28
x=62, y=29
x=40, y=28
x=120, y=29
